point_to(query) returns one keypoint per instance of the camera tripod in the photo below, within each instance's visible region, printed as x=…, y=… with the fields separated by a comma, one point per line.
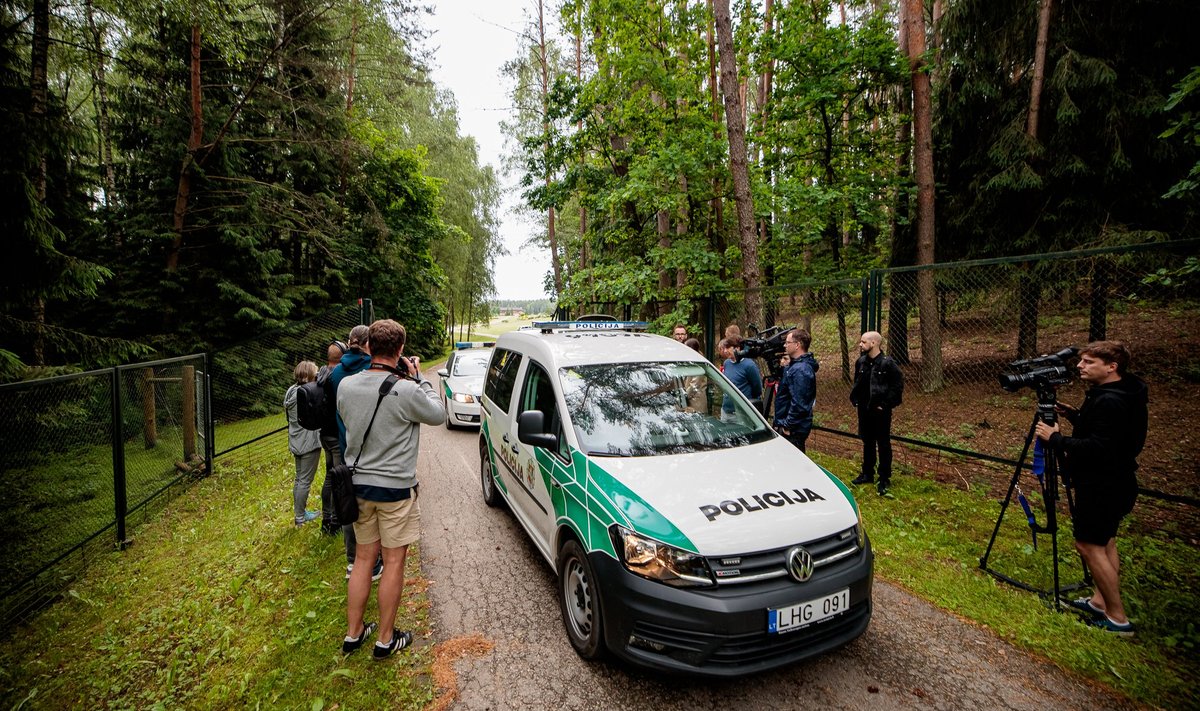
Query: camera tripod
x=1048, y=482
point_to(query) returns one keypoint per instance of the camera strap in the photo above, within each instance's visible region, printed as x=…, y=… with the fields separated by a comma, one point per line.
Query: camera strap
x=384, y=388
x=391, y=369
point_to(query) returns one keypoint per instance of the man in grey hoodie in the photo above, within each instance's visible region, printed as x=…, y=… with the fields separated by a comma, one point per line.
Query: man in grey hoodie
x=382, y=436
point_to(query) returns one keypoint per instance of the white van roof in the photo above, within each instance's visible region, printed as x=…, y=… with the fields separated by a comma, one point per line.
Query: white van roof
x=561, y=348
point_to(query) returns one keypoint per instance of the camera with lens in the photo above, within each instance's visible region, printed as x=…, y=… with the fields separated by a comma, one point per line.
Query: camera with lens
x=767, y=345
x=1039, y=372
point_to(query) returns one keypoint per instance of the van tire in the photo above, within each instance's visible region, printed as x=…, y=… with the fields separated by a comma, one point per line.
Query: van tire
x=491, y=496
x=579, y=600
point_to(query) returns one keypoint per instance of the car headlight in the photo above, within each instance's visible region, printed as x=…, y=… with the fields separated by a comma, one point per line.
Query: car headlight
x=463, y=397
x=658, y=561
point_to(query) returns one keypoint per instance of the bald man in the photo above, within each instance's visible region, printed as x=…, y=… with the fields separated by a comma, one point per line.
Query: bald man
x=878, y=389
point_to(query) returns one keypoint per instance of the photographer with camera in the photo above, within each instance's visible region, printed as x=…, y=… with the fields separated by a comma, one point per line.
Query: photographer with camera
x=1108, y=433
x=878, y=389
x=797, y=390
x=382, y=436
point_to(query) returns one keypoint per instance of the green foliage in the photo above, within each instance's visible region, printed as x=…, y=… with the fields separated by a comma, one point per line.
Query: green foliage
x=292, y=201
x=1109, y=143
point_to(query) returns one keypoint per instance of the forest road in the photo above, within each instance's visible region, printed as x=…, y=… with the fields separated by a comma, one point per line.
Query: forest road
x=486, y=578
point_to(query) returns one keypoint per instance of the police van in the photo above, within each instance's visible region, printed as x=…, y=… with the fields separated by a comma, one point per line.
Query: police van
x=683, y=539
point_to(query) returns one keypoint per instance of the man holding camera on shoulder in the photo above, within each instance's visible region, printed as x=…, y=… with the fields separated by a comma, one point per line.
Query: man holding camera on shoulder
x=383, y=431
x=1108, y=433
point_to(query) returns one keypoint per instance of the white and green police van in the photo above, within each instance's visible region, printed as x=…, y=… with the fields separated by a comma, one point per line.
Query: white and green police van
x=683, y=540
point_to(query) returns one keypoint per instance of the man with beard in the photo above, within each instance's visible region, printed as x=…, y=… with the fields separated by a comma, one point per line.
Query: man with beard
x=878, y=389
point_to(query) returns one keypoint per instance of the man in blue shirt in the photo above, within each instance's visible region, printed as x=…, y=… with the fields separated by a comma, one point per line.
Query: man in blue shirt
x=797, y=390
x=744, y=375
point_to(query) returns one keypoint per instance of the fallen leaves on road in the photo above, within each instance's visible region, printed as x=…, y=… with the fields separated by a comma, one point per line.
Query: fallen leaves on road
x=445, y=655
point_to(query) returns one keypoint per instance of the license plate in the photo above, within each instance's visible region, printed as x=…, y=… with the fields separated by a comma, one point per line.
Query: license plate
x=801, y=615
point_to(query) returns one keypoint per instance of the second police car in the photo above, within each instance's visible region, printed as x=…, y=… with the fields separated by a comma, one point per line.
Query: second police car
x=682, y=540
x=462, y=382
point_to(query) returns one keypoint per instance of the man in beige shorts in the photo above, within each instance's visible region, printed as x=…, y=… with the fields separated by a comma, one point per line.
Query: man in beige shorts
x=385, y=479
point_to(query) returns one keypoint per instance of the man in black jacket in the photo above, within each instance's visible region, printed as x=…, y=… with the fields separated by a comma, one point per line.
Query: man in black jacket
x=1108, y=433
x=878, y=389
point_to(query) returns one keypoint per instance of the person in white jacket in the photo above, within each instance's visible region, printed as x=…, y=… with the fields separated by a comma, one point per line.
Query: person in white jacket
x=382, y=447
x=305, y=445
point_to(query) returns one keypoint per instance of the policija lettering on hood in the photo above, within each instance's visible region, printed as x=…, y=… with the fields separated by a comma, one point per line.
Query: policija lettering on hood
x=771, y=498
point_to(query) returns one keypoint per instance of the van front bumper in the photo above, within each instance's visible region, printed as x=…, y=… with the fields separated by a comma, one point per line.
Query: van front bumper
x=723, y=631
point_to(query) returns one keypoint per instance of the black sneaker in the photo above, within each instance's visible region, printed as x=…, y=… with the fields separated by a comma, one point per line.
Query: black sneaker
x=400, y=640
x=350, y=644
x=885, y=489
x=863, y=479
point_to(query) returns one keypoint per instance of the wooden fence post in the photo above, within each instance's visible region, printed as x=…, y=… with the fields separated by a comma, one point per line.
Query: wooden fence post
x=189, y=412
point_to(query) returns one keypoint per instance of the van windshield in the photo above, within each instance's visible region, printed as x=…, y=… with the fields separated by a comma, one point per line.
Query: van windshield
x=647, y=409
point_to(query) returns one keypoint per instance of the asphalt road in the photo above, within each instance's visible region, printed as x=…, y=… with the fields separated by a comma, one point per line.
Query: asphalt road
x=487, y=579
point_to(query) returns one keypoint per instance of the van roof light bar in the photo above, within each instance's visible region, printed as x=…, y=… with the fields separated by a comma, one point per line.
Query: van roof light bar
x=552, y=326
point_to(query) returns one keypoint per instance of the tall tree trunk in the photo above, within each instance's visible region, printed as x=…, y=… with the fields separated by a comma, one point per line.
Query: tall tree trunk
x=1039, y=69
x=189, y=159
x=931, y=332
x=101, y=100
x=351, y=66
x=39, y=98
x=585, y=257
x=904, y=247
x=736, y=128
x=552, y=238
x=717, y=205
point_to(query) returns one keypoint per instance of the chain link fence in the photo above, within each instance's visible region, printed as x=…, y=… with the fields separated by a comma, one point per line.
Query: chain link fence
x=84, y=458
x=962, y=426
x=250, y=379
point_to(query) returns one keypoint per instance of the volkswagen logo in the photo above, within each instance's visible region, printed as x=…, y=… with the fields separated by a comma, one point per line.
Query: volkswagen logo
x=800, y=564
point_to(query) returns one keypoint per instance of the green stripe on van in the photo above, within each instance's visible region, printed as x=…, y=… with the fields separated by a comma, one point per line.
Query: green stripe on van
x=631, y=510
x=841, y=487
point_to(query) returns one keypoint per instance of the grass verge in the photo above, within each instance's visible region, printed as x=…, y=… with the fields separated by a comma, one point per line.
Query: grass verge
x=221, y=603
x=929, y=539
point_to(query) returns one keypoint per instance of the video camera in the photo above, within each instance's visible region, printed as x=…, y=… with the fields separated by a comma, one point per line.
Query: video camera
x=1045, y=370
x=767, y=345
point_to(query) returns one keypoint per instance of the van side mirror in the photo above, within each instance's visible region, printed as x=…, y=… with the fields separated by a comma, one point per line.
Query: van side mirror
x=531, y=430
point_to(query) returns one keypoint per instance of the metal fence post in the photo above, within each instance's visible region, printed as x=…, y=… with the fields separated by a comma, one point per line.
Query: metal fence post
x=864, y=305
x=366, y=311
x=118, y=455
x=209, y=418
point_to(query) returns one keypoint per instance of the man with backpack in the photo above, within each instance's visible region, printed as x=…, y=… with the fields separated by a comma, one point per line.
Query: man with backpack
x=356, y=359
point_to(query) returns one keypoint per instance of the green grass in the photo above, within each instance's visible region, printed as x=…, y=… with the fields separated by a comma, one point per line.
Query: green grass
x=221, y=603
x=930, y=537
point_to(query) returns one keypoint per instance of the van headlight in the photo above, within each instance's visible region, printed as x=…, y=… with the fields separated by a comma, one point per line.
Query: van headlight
x=860, y=532
x=658, y=561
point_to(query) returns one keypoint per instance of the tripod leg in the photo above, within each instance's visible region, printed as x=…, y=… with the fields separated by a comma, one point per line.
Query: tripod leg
x=1012, y=485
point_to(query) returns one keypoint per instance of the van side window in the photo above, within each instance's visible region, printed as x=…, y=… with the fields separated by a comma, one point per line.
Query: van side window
x=502, y=376
x=539, y=395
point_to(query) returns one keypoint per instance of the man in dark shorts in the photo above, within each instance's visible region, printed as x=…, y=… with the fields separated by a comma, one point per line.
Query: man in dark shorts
x=1108, y=432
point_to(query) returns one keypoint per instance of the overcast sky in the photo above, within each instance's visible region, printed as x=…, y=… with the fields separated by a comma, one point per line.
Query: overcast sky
x=471, y=40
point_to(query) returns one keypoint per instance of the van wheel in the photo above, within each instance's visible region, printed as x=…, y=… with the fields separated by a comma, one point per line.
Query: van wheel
x=579, y=599
x=491, y=497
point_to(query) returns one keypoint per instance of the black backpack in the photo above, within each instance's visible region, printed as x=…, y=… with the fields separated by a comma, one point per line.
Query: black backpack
x=313, y=407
